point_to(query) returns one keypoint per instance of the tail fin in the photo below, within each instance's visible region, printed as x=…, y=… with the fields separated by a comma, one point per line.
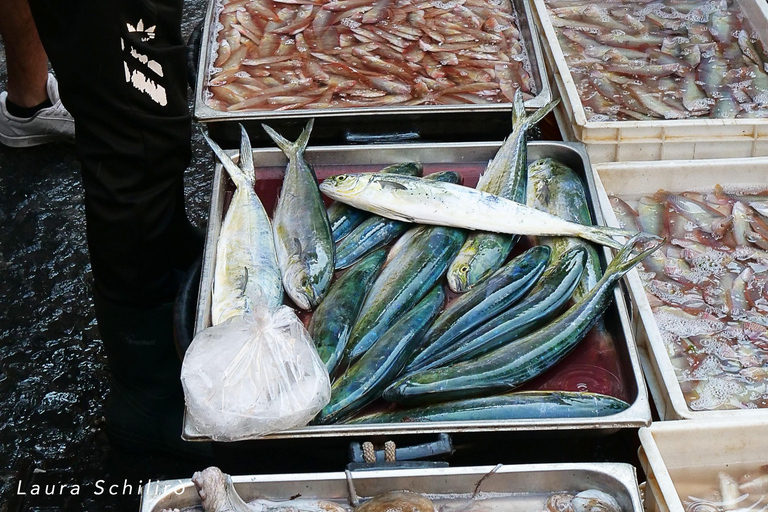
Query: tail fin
x=542, y=112
x=623, y=261
x=240, y=178
x=518, y=110
x=246, y=155
x=519, y=116
x=291, y=149
x=603, y=235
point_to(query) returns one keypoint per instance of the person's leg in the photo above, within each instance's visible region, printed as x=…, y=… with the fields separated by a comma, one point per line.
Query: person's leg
x=30, y=110
x=121, y=69
x=26, y=60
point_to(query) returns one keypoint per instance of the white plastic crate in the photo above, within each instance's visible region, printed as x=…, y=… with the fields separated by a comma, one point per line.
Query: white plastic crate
x=672, y=449
x=646, y=178
x=623, y=141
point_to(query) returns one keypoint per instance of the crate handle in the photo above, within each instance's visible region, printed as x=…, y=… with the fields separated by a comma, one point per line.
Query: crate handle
x=365, y=456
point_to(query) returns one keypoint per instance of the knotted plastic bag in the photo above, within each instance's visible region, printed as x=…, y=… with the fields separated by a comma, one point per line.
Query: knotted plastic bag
x=253, y=375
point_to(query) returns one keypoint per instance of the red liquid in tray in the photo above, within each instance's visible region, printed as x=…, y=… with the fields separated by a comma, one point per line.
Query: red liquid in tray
x=593, y=365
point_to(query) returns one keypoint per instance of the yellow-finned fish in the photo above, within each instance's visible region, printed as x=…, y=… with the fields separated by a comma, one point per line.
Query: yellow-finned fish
x=246, y=272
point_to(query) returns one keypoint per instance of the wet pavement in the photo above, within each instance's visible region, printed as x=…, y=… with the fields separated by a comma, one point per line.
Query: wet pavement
x=53, y=375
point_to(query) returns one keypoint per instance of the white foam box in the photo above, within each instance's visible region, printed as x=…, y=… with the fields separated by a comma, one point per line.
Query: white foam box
x=646, y=178
x=622, y=141
x=673, y=452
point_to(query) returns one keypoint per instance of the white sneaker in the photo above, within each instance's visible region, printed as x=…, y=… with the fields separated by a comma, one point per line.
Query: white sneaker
x=47, y=125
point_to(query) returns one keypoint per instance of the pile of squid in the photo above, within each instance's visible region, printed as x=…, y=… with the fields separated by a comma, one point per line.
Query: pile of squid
x=670, y=59
x=383, y=328
x=708, y=288
x=319, y=54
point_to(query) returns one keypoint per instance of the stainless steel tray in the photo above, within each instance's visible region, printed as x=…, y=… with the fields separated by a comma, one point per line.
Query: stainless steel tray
x=528, y=480
x=528, y=32
x=458, y=156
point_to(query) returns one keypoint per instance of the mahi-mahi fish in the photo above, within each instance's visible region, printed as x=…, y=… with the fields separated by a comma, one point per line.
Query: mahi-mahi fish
x=246, y=272
x=422, y=201
x=305, y=248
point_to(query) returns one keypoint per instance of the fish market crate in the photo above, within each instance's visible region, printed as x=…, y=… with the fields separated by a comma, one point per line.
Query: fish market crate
x=620, y=372
x=632, y=180
x=652, y=139
x=682, y=459
x=527, y=485
x=353, y=124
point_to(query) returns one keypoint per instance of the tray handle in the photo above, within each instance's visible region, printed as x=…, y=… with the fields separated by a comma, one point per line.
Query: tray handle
x=364, y=456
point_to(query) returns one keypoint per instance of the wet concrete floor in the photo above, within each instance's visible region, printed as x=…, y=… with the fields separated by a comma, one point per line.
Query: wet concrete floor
x=53, y=375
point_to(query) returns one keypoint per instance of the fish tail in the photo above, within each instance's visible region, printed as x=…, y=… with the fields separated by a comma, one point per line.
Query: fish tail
x=519, y=116
x=518, y=110
x=542, y=112
x=303, y=140
x=603, y=235
x=246, y=155
x=282, y=142
x=240, y=178
x=623, y=261
x=291, y=149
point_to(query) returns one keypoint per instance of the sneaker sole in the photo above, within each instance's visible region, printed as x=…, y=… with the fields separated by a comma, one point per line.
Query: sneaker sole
x=32, y=140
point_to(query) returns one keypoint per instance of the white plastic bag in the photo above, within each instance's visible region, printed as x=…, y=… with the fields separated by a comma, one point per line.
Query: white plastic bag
x=253, y=375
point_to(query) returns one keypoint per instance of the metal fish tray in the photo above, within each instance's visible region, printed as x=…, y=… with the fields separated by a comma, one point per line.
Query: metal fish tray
x=529, y=483
x=422, y=114
x=469, y=159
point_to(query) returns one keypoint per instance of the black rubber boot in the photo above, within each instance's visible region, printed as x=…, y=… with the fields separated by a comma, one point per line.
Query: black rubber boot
x=145, y=409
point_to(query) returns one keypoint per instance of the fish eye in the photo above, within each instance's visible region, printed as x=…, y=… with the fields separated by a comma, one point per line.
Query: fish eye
x=341, y=178
x=304, y=282
x=464, y=269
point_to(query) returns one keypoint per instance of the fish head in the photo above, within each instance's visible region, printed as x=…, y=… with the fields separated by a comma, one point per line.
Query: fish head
x=300, y=286
x=343, y=185
x=463, y=273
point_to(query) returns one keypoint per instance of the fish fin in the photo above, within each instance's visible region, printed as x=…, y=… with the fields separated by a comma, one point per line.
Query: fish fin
x=623, y=261
x=603, y=235
x=392, y=214
x=392, y=185
x=291, y=149
x=238, y=176
x=245, y=279
x=283, y=143
x=519, y=116
x=297, y=249
x=246, y=155
x=541, y=113
x=303, y=140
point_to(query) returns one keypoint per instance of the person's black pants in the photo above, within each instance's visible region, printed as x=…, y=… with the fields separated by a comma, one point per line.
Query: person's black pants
x=122, y=75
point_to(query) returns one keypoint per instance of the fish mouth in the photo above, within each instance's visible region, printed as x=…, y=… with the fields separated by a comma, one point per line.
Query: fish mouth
x=339, y=185
x=301, y=300
x=457, y=282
